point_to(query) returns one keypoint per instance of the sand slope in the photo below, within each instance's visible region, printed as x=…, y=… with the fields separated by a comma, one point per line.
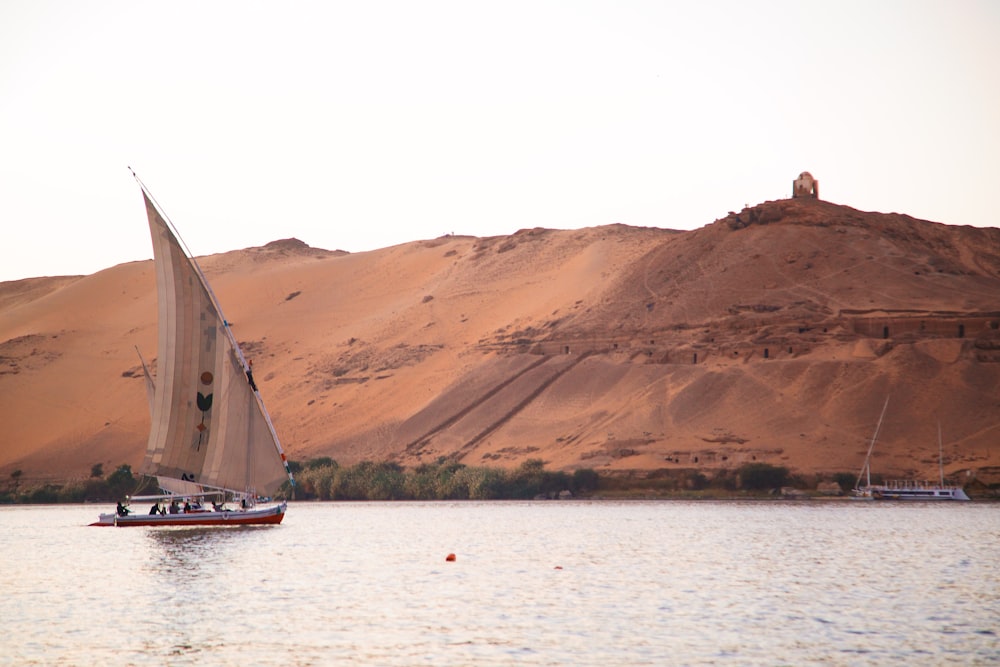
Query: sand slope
x=773, y=334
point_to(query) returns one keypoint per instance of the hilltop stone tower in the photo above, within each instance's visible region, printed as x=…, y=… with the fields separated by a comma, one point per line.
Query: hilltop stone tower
x=805, y=186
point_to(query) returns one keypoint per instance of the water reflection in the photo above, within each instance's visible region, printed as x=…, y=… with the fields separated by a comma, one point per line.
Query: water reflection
x=195, y=578
x=185, y=560
x=181, y=541
x=186, y=553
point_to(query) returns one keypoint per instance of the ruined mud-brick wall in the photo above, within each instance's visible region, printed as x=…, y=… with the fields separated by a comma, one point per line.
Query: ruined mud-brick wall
x=924, y=325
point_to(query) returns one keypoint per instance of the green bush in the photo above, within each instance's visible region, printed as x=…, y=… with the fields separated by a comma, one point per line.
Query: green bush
x=696, y=481
x=121, y=482
x=762, y=476
x=585, y=480
x=321, y=462
x=845, y=480
x=43, y=494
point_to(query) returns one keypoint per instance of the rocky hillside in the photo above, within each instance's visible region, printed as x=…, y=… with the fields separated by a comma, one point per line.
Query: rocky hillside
x=774, y=335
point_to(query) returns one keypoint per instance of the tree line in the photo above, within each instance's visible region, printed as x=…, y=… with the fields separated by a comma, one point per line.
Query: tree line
x=445, y=479
x=324, y=479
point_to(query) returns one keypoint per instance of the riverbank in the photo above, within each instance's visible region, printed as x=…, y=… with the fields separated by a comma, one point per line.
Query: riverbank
x=324, y=479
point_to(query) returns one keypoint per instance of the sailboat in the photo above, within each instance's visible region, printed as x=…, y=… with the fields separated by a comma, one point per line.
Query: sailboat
x=212, y=447
x=904, y=489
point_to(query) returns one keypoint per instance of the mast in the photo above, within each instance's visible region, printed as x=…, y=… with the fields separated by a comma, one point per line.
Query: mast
x=940, y=455
x=866, y=469
x=150, y=383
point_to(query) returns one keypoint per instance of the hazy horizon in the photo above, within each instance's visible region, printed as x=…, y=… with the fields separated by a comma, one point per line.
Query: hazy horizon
x=357, y=127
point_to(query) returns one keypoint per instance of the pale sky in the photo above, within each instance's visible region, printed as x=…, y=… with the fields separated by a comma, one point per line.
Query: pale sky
x=357, y=125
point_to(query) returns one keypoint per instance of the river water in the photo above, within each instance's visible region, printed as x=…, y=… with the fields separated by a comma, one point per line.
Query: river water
x=532, y=583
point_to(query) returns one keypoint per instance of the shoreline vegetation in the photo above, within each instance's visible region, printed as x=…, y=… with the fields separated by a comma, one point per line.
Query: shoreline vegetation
x=324, y=479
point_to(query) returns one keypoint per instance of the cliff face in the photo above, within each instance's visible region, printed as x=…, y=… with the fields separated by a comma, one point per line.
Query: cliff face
x=773, y=334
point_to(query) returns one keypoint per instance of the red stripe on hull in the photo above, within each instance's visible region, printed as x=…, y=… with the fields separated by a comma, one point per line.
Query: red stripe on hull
x=243, y=521
x=269, y=516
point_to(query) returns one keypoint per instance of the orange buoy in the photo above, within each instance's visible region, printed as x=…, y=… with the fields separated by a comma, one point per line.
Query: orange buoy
x=450, y=558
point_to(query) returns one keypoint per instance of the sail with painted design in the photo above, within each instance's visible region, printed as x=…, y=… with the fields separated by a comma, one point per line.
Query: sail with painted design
x=211, y=438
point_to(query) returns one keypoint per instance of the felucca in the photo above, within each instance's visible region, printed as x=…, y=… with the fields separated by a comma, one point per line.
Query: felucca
x=212, y=448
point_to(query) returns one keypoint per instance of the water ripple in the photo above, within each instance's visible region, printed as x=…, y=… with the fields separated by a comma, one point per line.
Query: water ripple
x=548, y=583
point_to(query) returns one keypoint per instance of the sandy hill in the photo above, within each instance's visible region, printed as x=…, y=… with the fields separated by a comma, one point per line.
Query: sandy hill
x=773, y=334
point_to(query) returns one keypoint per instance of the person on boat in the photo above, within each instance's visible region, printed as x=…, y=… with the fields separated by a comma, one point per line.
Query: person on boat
x=155, y=509
x=187, y=507
x=122, y=510
x=174, y=509
x=253, y=385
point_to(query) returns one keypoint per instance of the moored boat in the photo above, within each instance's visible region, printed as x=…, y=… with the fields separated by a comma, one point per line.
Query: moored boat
x=916, y=490
x=904, y=489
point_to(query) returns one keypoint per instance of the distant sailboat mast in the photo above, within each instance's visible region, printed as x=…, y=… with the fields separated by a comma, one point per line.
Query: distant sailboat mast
x=150, y=383
x=866, y=470
x=940, y=455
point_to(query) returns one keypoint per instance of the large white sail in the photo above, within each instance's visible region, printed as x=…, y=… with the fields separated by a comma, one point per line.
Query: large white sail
x=208, y=424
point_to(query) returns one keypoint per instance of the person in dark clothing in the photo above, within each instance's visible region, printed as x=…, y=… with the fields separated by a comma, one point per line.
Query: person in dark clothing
x=253, y=385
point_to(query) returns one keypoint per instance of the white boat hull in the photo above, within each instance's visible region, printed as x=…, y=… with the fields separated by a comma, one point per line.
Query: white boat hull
x=252, y=517
x=915, y=492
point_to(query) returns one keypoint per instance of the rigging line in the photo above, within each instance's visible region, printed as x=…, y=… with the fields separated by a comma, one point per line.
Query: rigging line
x=197, y=268
x=180, y=239
x=145, y=367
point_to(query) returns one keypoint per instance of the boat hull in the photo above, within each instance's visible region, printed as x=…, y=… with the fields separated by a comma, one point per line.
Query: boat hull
x=931, y=493
x=919, y=494
x=253, y=517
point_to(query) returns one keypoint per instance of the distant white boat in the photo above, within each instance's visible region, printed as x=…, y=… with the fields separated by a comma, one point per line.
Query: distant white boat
x=212, y=447
x=904, y=489
x=914, y=490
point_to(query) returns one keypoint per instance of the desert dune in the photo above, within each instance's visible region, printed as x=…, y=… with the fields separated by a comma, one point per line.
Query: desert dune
x=774, y=335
